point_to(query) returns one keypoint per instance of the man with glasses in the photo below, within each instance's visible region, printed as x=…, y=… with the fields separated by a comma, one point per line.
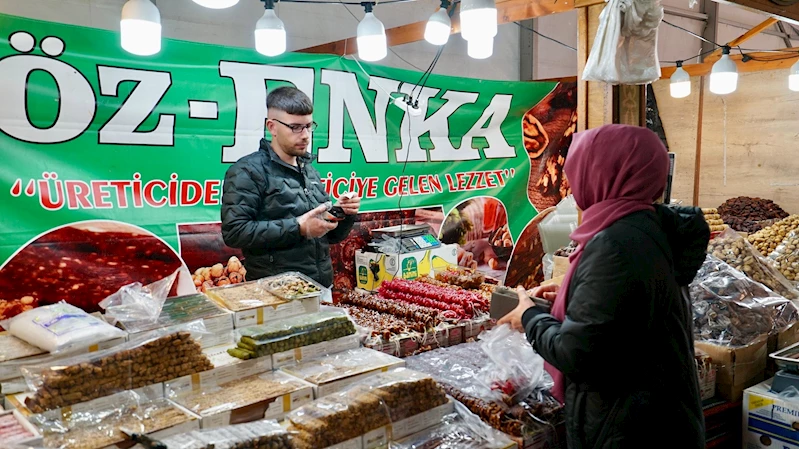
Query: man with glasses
x=273, y=200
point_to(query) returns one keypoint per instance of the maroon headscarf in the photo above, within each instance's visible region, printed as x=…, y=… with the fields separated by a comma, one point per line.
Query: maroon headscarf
x=614, y=171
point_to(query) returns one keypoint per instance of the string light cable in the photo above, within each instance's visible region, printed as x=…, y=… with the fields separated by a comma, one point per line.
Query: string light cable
x=545, y=36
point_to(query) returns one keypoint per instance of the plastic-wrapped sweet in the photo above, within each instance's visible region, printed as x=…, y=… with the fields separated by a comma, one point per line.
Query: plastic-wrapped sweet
x=100, y=427
x=731, y=248
x=732, y=309
x=507, y=391
x=460, y=430
x=342, y=365
x=786, y=256
x=376, y=402
x=254, y=435
x=166, y=354
x=60, y=327
x=292, y=333
x=178, y=310
x=238, y=393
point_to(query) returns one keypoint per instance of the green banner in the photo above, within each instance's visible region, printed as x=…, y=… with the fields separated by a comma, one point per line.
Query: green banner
x=89, y=133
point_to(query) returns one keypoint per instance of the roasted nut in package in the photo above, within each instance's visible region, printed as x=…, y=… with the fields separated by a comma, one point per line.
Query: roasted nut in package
x=376, y=402
x=166, y=354
x=100, y=427
x=786, y=256
x=292, y=333
x=731, y=248
x=342, y=365
x=254, y=435
x=731, y=309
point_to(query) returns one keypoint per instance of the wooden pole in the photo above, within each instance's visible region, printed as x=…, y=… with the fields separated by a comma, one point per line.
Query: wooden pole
x=698, y=157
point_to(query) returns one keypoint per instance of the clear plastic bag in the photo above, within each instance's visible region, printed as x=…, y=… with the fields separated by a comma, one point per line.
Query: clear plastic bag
x=625, y=47
x=292, y=333
x=342, y=365
x=253, y=435
x=100, y=426
x=137, y=302
x=516, y=370
x=731, y=248
x=376, y=402
x=460, y=370
x=60, y=327
x=732, y=310
x=150, y=359
x=786, y=256
x=178, y=310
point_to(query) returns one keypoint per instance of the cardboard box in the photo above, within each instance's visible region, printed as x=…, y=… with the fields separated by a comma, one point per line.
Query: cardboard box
x=473, y=328
x=317, y=350
x=360, y=363
x=548, y=438
x=34, y=440
x=739, y=367
x=275, y=407
x=381, y=437
x=769, y=421
x=406, y=266
x=355, y=443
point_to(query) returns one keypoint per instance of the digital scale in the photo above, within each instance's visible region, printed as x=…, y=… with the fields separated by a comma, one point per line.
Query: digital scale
x=412, y=237
x=788, y=361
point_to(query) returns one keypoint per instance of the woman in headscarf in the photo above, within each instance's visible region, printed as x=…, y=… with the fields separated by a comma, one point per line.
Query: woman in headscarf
x=619, y=339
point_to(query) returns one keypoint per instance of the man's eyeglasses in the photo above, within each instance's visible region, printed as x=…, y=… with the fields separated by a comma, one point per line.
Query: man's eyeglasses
x=297, y=129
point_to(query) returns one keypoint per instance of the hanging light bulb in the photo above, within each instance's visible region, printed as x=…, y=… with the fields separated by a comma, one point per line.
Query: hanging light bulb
x=438, y=26
x=724, y=75
x=371, y=38
x=680, y=82
x=793, y=77
x=270, y=34
x=216, y=4
x=480, y=48
x=140, y=28
x=478, y=19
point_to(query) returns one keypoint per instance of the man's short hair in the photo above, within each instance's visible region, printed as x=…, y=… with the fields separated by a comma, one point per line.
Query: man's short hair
x=290, y=100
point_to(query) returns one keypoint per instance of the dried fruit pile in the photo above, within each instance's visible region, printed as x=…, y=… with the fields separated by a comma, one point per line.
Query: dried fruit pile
x=453, y=304
x=220, y=275
x=747, y=214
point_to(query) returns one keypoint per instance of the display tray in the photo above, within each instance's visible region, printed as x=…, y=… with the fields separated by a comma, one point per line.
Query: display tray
x=787, y=358
x=335, y=372
x=292, y=286
x=238, y=394
x=15, y=429
x=252, y=304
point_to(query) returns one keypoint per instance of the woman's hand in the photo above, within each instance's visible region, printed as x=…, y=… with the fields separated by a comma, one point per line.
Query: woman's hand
x=514, y=318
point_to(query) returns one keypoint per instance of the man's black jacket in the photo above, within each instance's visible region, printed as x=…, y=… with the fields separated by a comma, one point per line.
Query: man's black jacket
x=261, y=200
x=626, y=346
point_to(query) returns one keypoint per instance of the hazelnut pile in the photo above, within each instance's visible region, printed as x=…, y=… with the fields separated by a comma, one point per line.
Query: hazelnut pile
x=219, y=275
x=768, y=239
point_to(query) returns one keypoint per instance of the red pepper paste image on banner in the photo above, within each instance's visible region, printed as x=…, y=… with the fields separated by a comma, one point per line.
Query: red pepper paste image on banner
x=83, y=263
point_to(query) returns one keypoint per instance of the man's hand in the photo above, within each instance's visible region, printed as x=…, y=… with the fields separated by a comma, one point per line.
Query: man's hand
x=312, y=226
x=351, y=203
x=514, y=318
